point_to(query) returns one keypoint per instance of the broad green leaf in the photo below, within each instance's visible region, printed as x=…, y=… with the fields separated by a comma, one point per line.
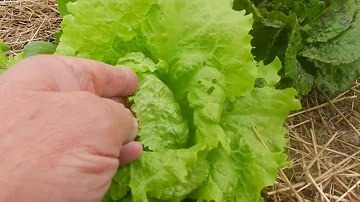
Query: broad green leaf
x=315, y=8
x=189, y=50
x=139, y=63
x=153, y=28
x=334, y=79
x=240, y=176
x=246, y=112
x=167, y=175
x=106, y=198
x=344, y=49
x=39, y=47
x=196, y=176
x=332, y=22
x=301, y=80
x=86, y=35
x=210, y=133
x=161, y=124
x=120, y=185
x=207, y=98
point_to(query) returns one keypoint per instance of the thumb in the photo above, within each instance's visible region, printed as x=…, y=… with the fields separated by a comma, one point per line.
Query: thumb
x=130, y=152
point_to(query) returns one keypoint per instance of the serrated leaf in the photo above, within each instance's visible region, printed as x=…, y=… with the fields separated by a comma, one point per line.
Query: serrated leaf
x=162, y=125
x=235, y=177
x=207, y=97
x=120, y=184
x=270, y=72
x=166, y=174
x=266, y=46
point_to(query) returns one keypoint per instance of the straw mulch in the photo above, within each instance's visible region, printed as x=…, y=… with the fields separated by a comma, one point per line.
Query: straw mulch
x=325, y=150
x=23, y=21
x=324, y=136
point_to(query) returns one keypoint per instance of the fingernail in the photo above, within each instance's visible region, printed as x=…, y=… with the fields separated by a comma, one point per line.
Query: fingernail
x=136, y=124
x=138, y=146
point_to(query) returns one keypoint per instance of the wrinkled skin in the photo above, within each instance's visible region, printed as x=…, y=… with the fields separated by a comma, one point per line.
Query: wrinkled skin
x=65, y=129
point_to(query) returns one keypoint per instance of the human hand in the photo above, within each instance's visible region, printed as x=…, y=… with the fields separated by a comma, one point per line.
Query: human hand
x=63, y=129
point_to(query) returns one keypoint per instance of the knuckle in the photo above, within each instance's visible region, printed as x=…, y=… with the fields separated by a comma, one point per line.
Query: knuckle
x=100, y=114
x=34, y=60
x=90, y=105
x=84, y=98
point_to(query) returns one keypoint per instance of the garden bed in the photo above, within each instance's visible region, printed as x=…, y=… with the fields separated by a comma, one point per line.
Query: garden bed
x=324, y=136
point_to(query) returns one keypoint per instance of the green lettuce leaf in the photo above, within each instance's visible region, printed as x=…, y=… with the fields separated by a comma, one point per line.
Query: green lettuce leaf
x=235, y=177
x=154, y=29
x=161, y=124
x=100, y=41
x=120, y=184
x=246, y=112
x=139, y=63
x=270, y=72
x=207, y=98
x=152, y=174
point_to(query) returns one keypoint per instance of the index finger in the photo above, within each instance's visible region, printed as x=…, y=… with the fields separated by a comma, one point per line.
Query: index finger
x=62, y=73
